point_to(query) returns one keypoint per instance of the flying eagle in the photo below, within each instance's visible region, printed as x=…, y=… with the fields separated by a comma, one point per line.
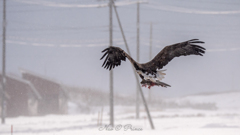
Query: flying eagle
x=150, y=72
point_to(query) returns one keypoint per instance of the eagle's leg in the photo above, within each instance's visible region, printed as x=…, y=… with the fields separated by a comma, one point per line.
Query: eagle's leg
x=144, y=85
x=147, y=83
x=152, y=84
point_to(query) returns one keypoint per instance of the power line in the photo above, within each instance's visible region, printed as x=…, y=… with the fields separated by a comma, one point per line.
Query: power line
x=57, y=26
x=163, y=7
x=79, y=41
x=54, y=29
x=60, y=45
x=64, y=5
x=37, y=44
x=61, y=5
x=207, y=2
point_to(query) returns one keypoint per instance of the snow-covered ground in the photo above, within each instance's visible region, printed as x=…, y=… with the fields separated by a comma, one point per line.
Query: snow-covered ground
x=225, y=120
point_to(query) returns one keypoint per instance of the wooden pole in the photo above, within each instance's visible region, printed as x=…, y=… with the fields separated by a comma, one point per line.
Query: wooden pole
x=136, y=76
x=98, y=119
x=150, y=57
x=138, y=49
x=111, y=72
x=101, y=116
x=3, y=62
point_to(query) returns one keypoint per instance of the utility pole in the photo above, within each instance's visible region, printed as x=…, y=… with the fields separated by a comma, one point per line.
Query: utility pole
x=111, y=71
x=138, y=48
x=150, y=48
x=3, y=61
x=150, y=57
x=136, y=76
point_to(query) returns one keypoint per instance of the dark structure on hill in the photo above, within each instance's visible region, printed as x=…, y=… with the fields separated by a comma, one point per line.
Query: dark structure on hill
x=21, y=97
x=54, y=96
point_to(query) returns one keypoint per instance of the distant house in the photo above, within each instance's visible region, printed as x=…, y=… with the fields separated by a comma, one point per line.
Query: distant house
x=54, y=96
x=21, y=97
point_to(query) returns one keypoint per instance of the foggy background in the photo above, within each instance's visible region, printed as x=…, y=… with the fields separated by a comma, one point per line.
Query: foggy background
x=55, y=83
x=64, y=42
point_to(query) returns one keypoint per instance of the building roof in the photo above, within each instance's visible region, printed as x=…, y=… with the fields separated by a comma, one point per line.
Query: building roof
x=24, y=71
x=29, y=84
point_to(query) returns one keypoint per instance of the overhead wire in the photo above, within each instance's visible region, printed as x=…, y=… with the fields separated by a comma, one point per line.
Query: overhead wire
x=61, y=6
x=68, y=29
x=178, y=9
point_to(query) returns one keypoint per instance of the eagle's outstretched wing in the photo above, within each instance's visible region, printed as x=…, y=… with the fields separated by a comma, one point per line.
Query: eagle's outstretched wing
x=175, y=50
x=114, y=56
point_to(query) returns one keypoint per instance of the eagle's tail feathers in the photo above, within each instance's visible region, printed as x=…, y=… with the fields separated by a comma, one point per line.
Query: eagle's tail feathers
x=162, y=84
x=160, y=74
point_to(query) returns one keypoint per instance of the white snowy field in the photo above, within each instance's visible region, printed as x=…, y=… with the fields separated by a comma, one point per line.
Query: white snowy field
x=225, y=120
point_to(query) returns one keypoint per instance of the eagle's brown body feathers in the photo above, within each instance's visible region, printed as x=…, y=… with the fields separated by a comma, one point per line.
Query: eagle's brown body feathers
x=114, y=56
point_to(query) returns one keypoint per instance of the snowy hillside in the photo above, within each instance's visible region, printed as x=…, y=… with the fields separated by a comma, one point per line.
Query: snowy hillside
x=224, y=100
x=225, y=120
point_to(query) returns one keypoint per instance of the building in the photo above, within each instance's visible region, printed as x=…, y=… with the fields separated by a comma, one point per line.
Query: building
x=54, y=96
x=21, y=97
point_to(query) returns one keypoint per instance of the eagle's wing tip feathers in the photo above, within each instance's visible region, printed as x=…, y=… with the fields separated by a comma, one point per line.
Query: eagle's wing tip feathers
x=113, y=57
x=199, y=49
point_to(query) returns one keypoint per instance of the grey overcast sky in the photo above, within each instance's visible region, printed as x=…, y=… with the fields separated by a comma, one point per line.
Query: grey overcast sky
x=63, y=40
